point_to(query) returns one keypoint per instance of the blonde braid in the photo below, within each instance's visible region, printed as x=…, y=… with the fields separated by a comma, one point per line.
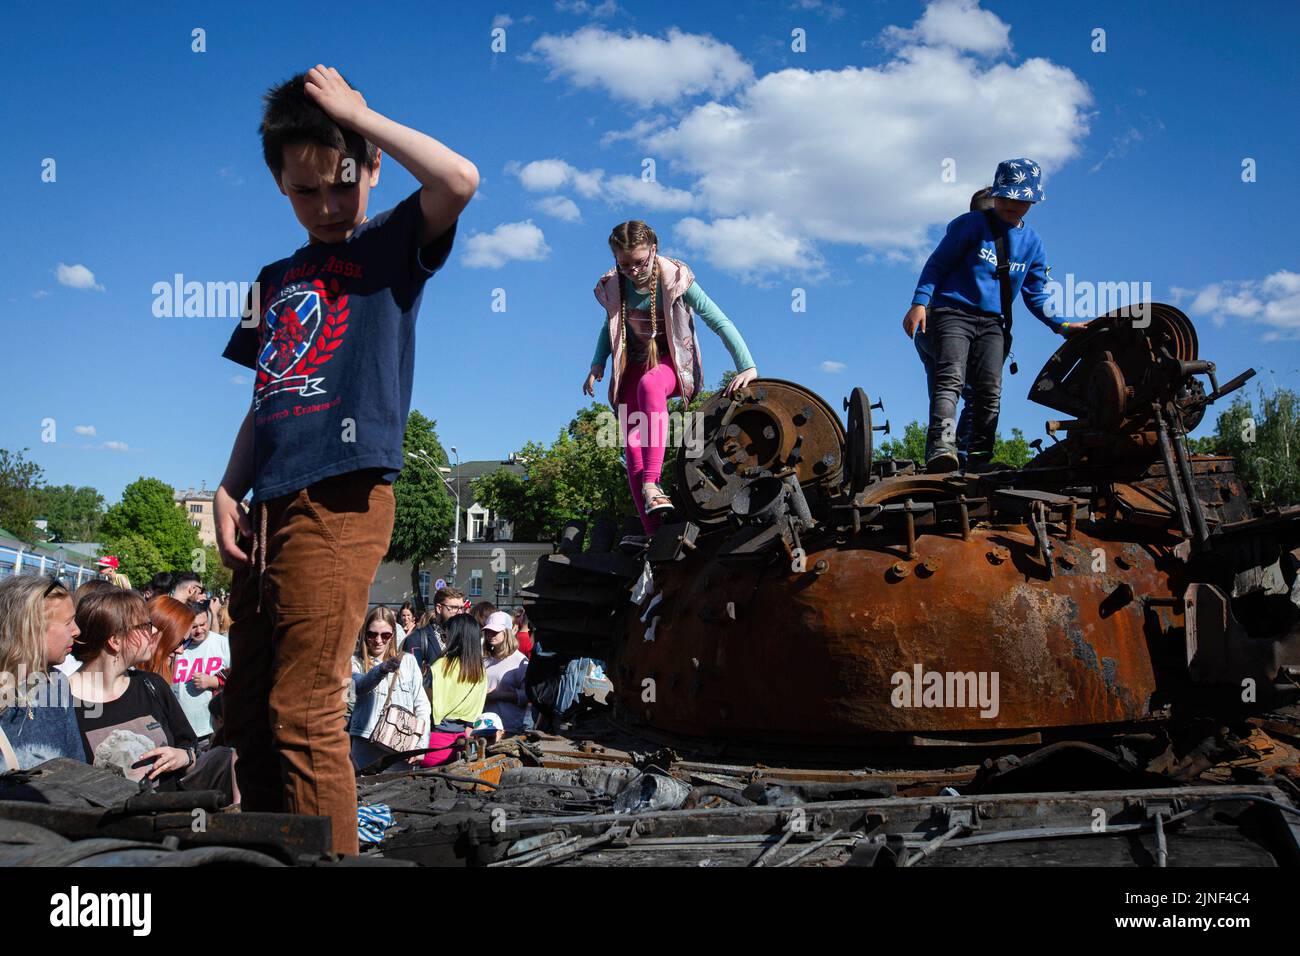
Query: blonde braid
x=622, y=317
x=652, y=352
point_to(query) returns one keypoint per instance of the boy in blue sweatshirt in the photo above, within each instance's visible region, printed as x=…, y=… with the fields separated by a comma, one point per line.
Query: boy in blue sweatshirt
x=964, y=322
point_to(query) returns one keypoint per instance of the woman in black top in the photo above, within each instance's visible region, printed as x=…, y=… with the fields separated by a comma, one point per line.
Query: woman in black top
x=129, y=719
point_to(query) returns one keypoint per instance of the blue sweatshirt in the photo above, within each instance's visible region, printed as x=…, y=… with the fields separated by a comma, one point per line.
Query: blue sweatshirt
x=962, y=272
x=47, y=728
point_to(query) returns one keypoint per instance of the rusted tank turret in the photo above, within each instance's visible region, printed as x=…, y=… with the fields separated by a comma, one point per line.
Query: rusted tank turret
x=812, y=591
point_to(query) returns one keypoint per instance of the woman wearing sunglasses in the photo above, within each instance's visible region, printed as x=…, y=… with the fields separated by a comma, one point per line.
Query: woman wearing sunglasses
x=130, y=719
x=37, y=629
x=382, y=674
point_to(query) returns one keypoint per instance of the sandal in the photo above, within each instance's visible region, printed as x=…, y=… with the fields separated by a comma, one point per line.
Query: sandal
x=655, y=500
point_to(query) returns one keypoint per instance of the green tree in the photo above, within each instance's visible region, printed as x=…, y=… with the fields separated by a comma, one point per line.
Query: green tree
x=19, y=506
x=1013, y=452
x=426, y=512
x=137, y=557
x=216, y=576
x=148, y=508
x=1266, y=445
x=72, y=513
x=911, y=446
x=580, y=475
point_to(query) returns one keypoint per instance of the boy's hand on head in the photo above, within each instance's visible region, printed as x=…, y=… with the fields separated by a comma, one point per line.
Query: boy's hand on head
x=331, y=93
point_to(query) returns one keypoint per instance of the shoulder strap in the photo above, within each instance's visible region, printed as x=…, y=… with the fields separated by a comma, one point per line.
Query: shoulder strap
x=392, y=682
x=1002, y=248
x=148, y=685
x=425, y=663
x=7, y=751
x=1004, y=266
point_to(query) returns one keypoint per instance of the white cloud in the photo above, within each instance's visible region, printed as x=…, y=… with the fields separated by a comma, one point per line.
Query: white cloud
x=240, y=380
x=959, y=24
x=84, y=429
x=831, y=10
x=547, y=175
x=40, y=294
x=77, y=277
x=114, y=446
x=639, y=130
x=1273, y=302
x=644, y=69
x=749, y=246
x=801, y=158
x=833, y=367
x=508, y=241
x=856, y=155
x=583, y=8
x=502, y=20
x=560, y=207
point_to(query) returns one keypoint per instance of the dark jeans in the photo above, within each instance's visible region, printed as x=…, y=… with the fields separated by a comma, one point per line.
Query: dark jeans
x=291, y=660
x=924, y=349
x=968, y=350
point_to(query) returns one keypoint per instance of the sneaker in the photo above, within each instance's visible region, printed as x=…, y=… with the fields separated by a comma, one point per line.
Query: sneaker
x=943, y=461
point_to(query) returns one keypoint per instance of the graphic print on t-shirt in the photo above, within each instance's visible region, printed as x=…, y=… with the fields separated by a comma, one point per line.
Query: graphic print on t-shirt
x=301, y=328
x=121, y=745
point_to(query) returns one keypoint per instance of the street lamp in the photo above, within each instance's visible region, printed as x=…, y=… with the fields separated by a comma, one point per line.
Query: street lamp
x=423, y=456
x=455, y=546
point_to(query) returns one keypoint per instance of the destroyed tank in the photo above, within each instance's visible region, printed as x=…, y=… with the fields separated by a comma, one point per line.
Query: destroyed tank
x=808, y=590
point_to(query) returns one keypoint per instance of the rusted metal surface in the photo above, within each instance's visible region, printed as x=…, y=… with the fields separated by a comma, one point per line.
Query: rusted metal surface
x=822, y=651
x=1115, y=581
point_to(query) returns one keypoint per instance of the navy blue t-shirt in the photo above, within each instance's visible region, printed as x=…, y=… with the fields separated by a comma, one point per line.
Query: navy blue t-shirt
x=334, y=352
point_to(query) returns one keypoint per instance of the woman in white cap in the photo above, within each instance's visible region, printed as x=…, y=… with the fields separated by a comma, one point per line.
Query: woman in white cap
x=506, y=667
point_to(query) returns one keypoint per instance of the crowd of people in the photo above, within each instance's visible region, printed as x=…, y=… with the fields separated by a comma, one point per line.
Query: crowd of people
x=116, y=677
x=133, y=680
x=458, y=671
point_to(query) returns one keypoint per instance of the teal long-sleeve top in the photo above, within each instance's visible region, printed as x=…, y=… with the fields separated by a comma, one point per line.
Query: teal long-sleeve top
x=703, y=306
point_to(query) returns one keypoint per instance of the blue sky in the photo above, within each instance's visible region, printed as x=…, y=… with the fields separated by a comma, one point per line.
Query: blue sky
x=774, y=170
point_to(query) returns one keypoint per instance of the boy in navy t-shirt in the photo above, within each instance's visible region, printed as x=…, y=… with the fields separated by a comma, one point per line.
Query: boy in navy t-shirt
x=331, y=341
x=958, y=304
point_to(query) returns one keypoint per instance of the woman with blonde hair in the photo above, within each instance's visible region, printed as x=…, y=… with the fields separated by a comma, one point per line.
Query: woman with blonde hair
x=648, y=328
x=37, y=630
x=506, y=667
x=381, y=675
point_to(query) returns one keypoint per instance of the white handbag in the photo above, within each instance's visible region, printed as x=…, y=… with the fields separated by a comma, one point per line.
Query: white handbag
x=398, y=728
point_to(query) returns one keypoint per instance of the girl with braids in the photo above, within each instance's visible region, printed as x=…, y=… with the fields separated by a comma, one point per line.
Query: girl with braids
x=649, y=329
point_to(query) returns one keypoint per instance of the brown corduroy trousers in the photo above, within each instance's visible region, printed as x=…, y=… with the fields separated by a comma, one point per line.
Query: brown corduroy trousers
x=294, y=623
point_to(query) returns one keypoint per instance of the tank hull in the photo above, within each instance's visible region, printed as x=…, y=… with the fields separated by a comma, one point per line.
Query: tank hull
x=850, y=652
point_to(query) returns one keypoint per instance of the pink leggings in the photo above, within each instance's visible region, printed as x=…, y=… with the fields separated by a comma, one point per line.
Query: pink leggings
x=647, y=392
